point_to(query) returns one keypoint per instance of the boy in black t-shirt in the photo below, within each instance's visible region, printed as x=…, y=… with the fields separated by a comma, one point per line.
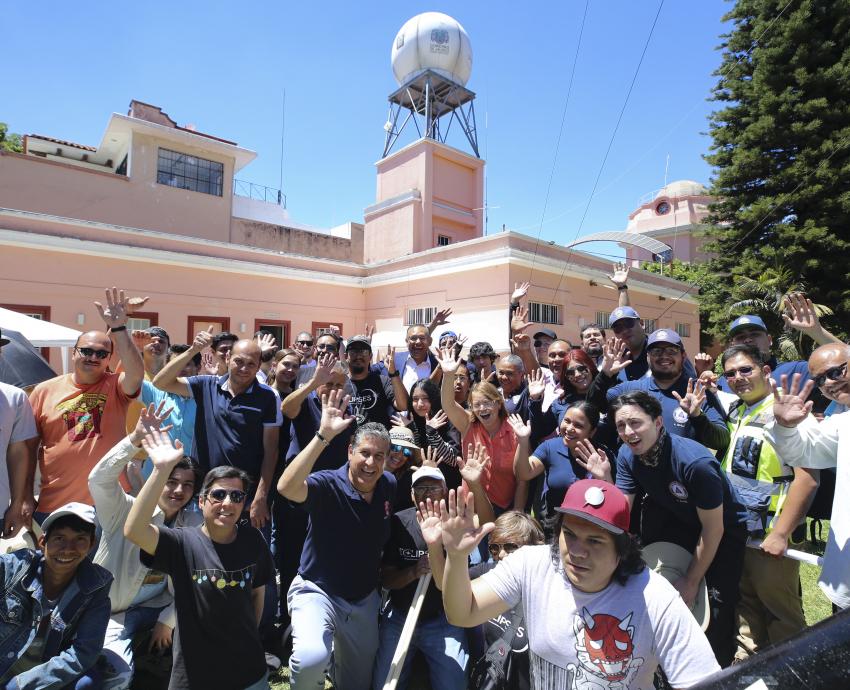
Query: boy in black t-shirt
x=219, y=571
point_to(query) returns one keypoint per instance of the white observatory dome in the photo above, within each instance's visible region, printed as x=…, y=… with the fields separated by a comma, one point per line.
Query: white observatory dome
x=432, y=40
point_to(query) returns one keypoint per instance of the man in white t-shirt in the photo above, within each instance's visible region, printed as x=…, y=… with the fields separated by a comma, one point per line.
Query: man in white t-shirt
x=596, y=616
x=17, y=457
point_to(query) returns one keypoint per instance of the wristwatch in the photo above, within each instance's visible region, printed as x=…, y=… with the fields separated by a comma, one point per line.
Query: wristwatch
x=393, y=374
x=117, y=328
x=622, y=287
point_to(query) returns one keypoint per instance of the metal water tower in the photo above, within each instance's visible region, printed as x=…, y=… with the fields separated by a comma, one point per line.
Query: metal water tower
x=432, y=61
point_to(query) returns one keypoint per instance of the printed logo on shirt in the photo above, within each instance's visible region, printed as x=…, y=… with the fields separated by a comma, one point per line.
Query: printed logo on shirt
x=679, y=491
x=223, y=578
x=680, y=416
x=83, y=415
x=605, y=651
x=411, y=554
x=365, y=400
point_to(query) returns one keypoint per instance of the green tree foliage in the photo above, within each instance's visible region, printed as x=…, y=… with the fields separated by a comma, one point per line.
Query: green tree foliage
x=781, y=157
x=10, y=141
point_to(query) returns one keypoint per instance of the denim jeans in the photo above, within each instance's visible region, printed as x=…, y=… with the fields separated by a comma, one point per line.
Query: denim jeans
x=116, y=660
x=443, y=645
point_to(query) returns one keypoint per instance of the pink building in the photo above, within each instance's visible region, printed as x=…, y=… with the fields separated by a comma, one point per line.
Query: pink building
x=155, y=208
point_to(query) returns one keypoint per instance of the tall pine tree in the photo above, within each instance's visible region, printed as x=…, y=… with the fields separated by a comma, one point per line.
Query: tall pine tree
x=781, y=150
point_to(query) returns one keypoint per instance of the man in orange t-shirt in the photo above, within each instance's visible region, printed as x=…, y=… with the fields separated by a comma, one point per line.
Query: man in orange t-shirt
x=80, y=416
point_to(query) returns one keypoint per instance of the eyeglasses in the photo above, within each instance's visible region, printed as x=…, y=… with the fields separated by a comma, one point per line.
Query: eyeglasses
x=395, y=448
x=494, y=549
x=746, y=372
x=326, y=346
x=663, y=351
x=308, y=343
x=485, y=405
x=575, y=371
x=831, y=374
x=427, y=490
x=89, y=352
x=218, y=495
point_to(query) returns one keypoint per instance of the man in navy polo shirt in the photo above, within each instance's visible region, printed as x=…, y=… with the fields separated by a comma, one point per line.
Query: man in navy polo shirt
x=238, y=418
x=334, y=600
x=689, y=502
x=687, y=409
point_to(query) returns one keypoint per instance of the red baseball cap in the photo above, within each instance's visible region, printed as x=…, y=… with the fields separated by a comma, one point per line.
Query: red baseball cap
x=601, y=503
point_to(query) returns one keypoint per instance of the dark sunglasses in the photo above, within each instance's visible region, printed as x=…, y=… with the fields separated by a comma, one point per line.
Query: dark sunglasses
x=746, y=372
x=832, y=374
x=306, y=342
x=427, y=490
x=325, y=346
x=538, y=343
x=89, y=352
x=580, y=369
x=218, y=495
x=494, y=549
x=401, y=449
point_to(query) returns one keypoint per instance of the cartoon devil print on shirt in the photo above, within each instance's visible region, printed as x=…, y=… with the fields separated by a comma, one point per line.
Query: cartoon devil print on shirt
x=605, y=650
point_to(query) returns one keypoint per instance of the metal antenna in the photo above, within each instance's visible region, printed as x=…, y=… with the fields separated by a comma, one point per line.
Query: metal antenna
x=282, y=130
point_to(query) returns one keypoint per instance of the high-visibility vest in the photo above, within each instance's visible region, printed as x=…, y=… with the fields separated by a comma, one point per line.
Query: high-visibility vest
x=760, y=478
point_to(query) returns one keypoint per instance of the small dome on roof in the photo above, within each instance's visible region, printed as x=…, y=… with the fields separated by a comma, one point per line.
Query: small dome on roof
x=683, y=188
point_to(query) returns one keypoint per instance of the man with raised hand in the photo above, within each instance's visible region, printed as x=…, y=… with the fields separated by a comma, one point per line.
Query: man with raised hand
x=81, y=415
x=823, y=446
x=334, y=600
x=219, y=571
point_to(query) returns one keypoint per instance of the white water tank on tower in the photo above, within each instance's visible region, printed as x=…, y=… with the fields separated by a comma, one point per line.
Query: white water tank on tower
x=435, y=41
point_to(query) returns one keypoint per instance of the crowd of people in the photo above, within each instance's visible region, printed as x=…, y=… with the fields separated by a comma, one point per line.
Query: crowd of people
x=183, y=513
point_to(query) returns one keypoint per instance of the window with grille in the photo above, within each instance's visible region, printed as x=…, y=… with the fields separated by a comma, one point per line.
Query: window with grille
x=189, y=172
x=650, y=325
x=443, y=240
x=134, y=324
x=602, y=318
x=684, y=330
x=420, y=316
x=538, y=312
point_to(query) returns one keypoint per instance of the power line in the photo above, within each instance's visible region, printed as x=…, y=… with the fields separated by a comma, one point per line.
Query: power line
x=610, y=143
x=558, y=142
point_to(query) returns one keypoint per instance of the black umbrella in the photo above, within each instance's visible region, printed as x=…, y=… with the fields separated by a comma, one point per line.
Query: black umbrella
x=21, y=364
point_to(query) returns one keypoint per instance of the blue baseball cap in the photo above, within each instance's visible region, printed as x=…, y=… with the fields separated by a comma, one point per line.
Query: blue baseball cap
x=622, y=313
x=447, y=334
x=664, y=336
x=747, y=321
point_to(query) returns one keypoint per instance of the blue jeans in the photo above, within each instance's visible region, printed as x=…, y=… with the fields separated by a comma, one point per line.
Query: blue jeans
x=442, y=644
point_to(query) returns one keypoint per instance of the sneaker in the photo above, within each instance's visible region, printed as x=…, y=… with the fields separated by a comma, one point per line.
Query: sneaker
x=272, y=661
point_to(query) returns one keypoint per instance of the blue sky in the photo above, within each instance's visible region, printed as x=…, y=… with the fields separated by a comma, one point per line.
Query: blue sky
x=223, y=66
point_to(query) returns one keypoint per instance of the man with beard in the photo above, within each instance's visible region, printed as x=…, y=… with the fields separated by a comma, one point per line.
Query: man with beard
x=377, y=396
x=688, y=410
x=776, y=497
x=823, y=446
x=592, y=341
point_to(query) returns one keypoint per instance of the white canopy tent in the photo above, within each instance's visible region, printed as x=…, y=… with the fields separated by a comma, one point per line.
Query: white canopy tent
x=41, y=333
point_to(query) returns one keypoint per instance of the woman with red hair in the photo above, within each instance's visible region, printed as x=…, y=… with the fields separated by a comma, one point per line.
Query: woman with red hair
x=577, y=373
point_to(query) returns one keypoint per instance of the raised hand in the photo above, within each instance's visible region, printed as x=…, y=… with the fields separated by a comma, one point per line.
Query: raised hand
x=203, y=340
x=440, y=318
x=536, y=384
x=437, y=420
x=518, y=320
x=324, y=368
x=135, y=304
x=370, y=331
x=428, y=517
x=521, y=341
x=520, y=291
x=448, y=359
x=709, y=380
x=116, y=312
x=457, y=522
x=694, y=398
x=620, y=276
x=703, y=362
x=614, y=357
x=208, y=363
x=800, y=314
x=592, y=460
x=389, y=360
x=475, y=464
x=399, y=420
x=521, y=429
x=430, y=458
x=150, y=419
x=335, y=417
x=162, y=451
x=267, y=342
x=140, y=338
x=789, y=401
